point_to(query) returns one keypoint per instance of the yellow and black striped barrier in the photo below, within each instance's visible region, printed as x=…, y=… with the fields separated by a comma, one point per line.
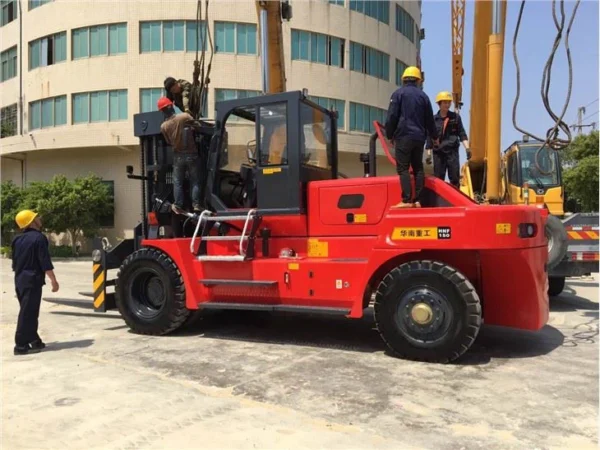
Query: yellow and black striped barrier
x=99, y=284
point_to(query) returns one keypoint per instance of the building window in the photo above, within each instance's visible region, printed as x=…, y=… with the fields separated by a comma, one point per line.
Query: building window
x=400, y=68
x=318, y=48
x=9, y=11
x=332, y=103
x=48, y=113
x=100, y=106
x=379, y=10
x=239, y=38
x=336, y=2
x=9, y=63
x=48, y=50
x=405, y=24
x=108, y=220
x=37, y=3
x=362, y=117
x=149, y=99
x=369, y=61
x=100, y=40
x=8, y=120
x=172, y=36
x=234, y=94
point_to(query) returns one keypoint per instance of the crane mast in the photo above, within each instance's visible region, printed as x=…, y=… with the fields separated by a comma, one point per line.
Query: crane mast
x=458, y=28
x=270, y=14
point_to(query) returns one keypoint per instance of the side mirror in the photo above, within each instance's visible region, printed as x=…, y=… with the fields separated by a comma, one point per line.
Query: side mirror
x=251, y=151
x=129, y=170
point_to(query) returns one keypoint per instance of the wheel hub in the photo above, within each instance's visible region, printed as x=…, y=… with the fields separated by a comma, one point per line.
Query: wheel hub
x=422, y=313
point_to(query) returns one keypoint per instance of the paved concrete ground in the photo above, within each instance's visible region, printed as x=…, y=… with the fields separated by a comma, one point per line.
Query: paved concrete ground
x=244, y=380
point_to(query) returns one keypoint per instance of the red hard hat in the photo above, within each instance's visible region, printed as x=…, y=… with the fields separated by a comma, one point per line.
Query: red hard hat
x=163, y=102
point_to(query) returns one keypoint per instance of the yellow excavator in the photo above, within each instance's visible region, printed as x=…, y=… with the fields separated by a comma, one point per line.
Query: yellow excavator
x=529, y=171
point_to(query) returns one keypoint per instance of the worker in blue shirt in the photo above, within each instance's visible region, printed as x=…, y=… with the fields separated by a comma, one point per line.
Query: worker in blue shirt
x=452, y=133
x=31, y=263
x=409, y=122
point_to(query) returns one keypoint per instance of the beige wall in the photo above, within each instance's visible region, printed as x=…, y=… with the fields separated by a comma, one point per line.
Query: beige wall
x=134, y=70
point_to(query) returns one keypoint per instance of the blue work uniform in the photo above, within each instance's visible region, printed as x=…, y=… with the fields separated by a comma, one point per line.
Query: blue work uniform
x=445, y=156
x=409, y=122
x=30, y=261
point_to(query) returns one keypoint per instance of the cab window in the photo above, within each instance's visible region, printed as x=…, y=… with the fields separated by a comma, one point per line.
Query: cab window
x=546, y=174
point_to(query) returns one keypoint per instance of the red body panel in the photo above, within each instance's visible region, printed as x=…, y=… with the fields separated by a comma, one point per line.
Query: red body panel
x=339, y=263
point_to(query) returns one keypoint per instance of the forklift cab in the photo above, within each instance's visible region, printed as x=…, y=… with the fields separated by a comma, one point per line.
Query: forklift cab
x=282, y=142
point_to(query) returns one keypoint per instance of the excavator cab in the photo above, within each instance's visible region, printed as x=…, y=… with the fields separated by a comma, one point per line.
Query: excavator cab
x=276, y=145
x=540, y=182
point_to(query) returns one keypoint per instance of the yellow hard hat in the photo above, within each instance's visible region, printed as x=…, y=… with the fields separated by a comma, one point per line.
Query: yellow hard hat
x=443, y=96
x=412, y=72
x=25, y=217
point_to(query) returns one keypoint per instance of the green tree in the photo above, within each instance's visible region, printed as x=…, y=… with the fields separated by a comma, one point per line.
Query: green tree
x=74, y=207
x=580, y=176
x=11, y=197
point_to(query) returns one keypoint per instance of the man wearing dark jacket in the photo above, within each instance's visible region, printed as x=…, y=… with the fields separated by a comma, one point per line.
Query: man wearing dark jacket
x=409, y=122
x=451, y=131
x=31, y=264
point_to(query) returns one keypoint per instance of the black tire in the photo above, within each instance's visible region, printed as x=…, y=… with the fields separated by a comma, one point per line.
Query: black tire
x=557, y=241
x=150, y=293
x=555, y=286
x=449, y=298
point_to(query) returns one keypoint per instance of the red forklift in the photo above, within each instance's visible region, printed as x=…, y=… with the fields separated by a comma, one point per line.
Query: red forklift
x=282, y=231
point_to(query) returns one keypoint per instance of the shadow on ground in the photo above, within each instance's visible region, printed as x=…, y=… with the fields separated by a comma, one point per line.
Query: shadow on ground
x=67, y=345
x=568, y=300
x=357, y=335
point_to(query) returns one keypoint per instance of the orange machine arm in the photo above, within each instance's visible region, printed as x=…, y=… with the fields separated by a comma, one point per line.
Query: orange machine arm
x=271, y=40
x=458, y=27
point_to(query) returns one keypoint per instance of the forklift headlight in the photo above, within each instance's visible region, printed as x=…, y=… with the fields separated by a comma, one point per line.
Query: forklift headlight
x=97, y=256
x=527, y=230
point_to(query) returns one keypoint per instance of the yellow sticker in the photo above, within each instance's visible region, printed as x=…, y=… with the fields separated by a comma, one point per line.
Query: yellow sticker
x=427, y=233
x=360, y=218
x=271, y=170
x=293, y=266
x=503, y=228
x=317, y=249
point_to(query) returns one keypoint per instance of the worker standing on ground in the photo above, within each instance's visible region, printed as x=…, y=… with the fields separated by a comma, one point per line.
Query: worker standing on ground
x=31, y=264
x=178, y=131
x=409, y=122
x=451, y=131
x=184, y=95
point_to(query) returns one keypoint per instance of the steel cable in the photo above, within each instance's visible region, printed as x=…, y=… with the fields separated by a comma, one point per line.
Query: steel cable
x=551, y=140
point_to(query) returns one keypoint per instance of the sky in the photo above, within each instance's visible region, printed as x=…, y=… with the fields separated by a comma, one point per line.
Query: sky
x=536, y=38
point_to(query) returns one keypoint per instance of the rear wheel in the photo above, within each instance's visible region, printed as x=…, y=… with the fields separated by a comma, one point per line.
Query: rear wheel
x=557, y=241
x=427, y=311
x=150, y=293
x=555, y=285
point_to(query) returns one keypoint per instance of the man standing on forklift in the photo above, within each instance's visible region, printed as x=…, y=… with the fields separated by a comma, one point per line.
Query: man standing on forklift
x=184, y=95
x=451, y=131
x=409, y=122
x=178, y=131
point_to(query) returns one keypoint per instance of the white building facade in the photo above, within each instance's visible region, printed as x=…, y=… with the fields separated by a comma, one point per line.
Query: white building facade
x=73, y=74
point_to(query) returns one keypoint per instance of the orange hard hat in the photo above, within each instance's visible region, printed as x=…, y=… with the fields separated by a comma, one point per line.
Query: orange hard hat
x=163, y=102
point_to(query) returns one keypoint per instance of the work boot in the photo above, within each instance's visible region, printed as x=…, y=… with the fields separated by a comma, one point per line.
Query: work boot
x=26, y=350
x=403, y=205
x=197, y=209
x=38, y=344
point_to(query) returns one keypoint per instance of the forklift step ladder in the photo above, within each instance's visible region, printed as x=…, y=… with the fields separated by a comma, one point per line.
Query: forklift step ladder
x=251, y=222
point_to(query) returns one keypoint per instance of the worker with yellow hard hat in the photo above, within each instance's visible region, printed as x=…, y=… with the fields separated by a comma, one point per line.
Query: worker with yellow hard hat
x=409, y=123
x=452, y=132
x=31, y=263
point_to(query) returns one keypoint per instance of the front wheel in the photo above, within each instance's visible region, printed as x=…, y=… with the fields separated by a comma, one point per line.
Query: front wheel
x=427, y=311
x=150, y=293
x=555, y=285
